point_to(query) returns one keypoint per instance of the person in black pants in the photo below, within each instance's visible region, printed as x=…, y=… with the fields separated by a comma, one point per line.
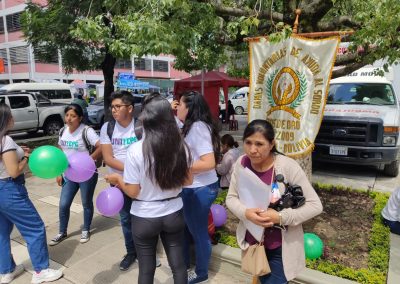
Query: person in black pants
x=155, y=170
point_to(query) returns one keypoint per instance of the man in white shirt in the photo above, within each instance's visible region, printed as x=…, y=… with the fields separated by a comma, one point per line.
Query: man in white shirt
x=391, y=212
x=115, y=138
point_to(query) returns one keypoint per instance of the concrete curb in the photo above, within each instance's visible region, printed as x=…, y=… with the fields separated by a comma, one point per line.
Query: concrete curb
x=394, y=260
x=227, y=260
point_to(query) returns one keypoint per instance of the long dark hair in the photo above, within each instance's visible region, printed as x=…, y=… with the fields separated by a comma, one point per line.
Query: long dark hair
x=5, y=118
x=198, y=110
x=265, y=128
x=165, y=152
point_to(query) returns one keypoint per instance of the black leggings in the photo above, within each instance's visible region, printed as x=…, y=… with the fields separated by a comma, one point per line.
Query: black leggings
x=145, y=234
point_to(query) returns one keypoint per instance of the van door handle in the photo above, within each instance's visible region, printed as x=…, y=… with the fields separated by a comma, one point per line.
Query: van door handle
x=30, y=111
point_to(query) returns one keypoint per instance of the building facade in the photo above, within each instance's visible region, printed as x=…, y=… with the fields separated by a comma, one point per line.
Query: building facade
x=20, y=64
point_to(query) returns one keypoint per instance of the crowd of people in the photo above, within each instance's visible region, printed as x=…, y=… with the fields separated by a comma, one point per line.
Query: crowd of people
x=168, y=165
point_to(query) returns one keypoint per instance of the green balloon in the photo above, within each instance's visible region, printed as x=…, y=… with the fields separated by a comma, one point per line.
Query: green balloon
x=313, y=246
x=48, y=162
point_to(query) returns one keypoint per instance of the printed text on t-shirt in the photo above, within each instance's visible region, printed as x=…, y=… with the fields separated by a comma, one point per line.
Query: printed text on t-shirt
x=123, y=141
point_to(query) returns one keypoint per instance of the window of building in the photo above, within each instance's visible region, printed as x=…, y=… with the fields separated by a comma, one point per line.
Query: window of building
x=13, y=22
x=160, y=65
x=19, y=55
x=3, y=54
x=142, y=64
x=123, y=63
x=1, y=25
x=19, y=101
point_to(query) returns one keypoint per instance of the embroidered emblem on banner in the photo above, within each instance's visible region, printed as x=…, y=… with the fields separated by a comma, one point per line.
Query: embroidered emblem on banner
x=286, y=89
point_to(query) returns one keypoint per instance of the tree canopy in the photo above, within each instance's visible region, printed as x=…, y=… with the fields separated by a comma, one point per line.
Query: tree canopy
x=203, y=34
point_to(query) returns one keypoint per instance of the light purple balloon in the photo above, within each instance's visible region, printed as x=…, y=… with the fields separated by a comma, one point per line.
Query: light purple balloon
x=219, y=214
x=110, y=201
x=81, y=167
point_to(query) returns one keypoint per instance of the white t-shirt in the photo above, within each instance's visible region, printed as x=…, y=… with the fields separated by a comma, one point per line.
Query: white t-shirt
x=200, y=143
x=122, y=138
x=148, y=207
x=9, y=145
x=72, y=142
x=391, y=211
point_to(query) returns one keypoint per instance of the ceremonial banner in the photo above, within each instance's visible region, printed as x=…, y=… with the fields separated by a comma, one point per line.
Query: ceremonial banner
x=289, y=84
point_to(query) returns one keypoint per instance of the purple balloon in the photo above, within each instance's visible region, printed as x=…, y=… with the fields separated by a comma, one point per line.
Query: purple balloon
x=219, y=214
x=81, y=167
x=110, y=201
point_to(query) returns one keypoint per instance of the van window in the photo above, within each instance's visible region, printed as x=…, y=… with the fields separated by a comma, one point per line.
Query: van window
x=19, y=101
x=361, y=93
x=63, y=94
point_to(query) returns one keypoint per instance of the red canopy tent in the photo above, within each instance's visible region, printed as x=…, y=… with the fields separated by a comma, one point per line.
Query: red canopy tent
x=213, y=81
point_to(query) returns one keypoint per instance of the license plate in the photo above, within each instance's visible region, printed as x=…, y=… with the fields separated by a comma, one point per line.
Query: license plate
x=338, y=150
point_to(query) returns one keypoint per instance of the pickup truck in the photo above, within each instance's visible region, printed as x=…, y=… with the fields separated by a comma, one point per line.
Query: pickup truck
x=32, y=112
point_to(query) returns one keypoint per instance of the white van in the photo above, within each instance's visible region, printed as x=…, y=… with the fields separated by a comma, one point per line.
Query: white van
x=240, y=100
x=55, y=92
x=361, y=122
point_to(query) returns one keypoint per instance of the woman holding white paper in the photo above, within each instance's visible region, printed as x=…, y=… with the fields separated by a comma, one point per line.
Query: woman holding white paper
x=284, y=248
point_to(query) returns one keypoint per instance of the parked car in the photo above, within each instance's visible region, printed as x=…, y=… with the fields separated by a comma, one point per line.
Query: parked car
x=33, y=112
x=96, y=110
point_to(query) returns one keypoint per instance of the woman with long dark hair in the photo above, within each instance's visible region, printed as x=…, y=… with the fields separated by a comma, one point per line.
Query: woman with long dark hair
x=71, y=140
x=155, y=170
x=201, y=135
x=17, y=209
x=284, y=247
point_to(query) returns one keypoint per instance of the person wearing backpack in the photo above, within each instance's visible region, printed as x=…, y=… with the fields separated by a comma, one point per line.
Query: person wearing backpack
x=76, y=136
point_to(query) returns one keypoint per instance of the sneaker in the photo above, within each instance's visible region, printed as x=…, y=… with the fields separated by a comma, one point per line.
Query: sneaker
x=46, y=275
x=85, y=237
x=58, y=239
x=193, y=278
x=127, y=261
x=8, y=277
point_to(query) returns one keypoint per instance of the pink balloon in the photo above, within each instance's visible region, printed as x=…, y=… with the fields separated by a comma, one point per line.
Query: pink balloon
x=219, y=214
x=110, y=201
x=81, y=167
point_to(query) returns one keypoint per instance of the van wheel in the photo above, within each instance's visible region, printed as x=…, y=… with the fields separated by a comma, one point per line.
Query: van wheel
x=239, y=110
x=52, y=127
x=391, y=169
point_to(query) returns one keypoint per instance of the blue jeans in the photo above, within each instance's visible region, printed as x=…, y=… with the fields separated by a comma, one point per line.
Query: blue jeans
x=126, y=225
x=196, y=205
x=68, y=192
x=277, y=275
x=394, y=226
x=16, y=208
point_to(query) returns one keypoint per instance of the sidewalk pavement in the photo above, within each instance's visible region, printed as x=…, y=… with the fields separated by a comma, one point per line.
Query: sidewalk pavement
x=96, y=261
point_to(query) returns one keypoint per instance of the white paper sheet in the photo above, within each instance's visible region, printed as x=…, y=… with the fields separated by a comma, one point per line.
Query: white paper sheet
x=253, y=193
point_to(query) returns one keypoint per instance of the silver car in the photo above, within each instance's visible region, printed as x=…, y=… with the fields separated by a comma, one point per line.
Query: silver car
x=96, y=110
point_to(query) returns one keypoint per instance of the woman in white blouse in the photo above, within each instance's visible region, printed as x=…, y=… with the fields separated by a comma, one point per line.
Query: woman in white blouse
x=155, y=170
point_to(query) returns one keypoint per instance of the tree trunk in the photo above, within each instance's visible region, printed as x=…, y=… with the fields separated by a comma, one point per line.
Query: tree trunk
x=306, y=164
x=108, y=73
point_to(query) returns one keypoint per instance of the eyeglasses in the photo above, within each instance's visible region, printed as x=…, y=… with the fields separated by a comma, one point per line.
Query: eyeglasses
x=117, y=107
